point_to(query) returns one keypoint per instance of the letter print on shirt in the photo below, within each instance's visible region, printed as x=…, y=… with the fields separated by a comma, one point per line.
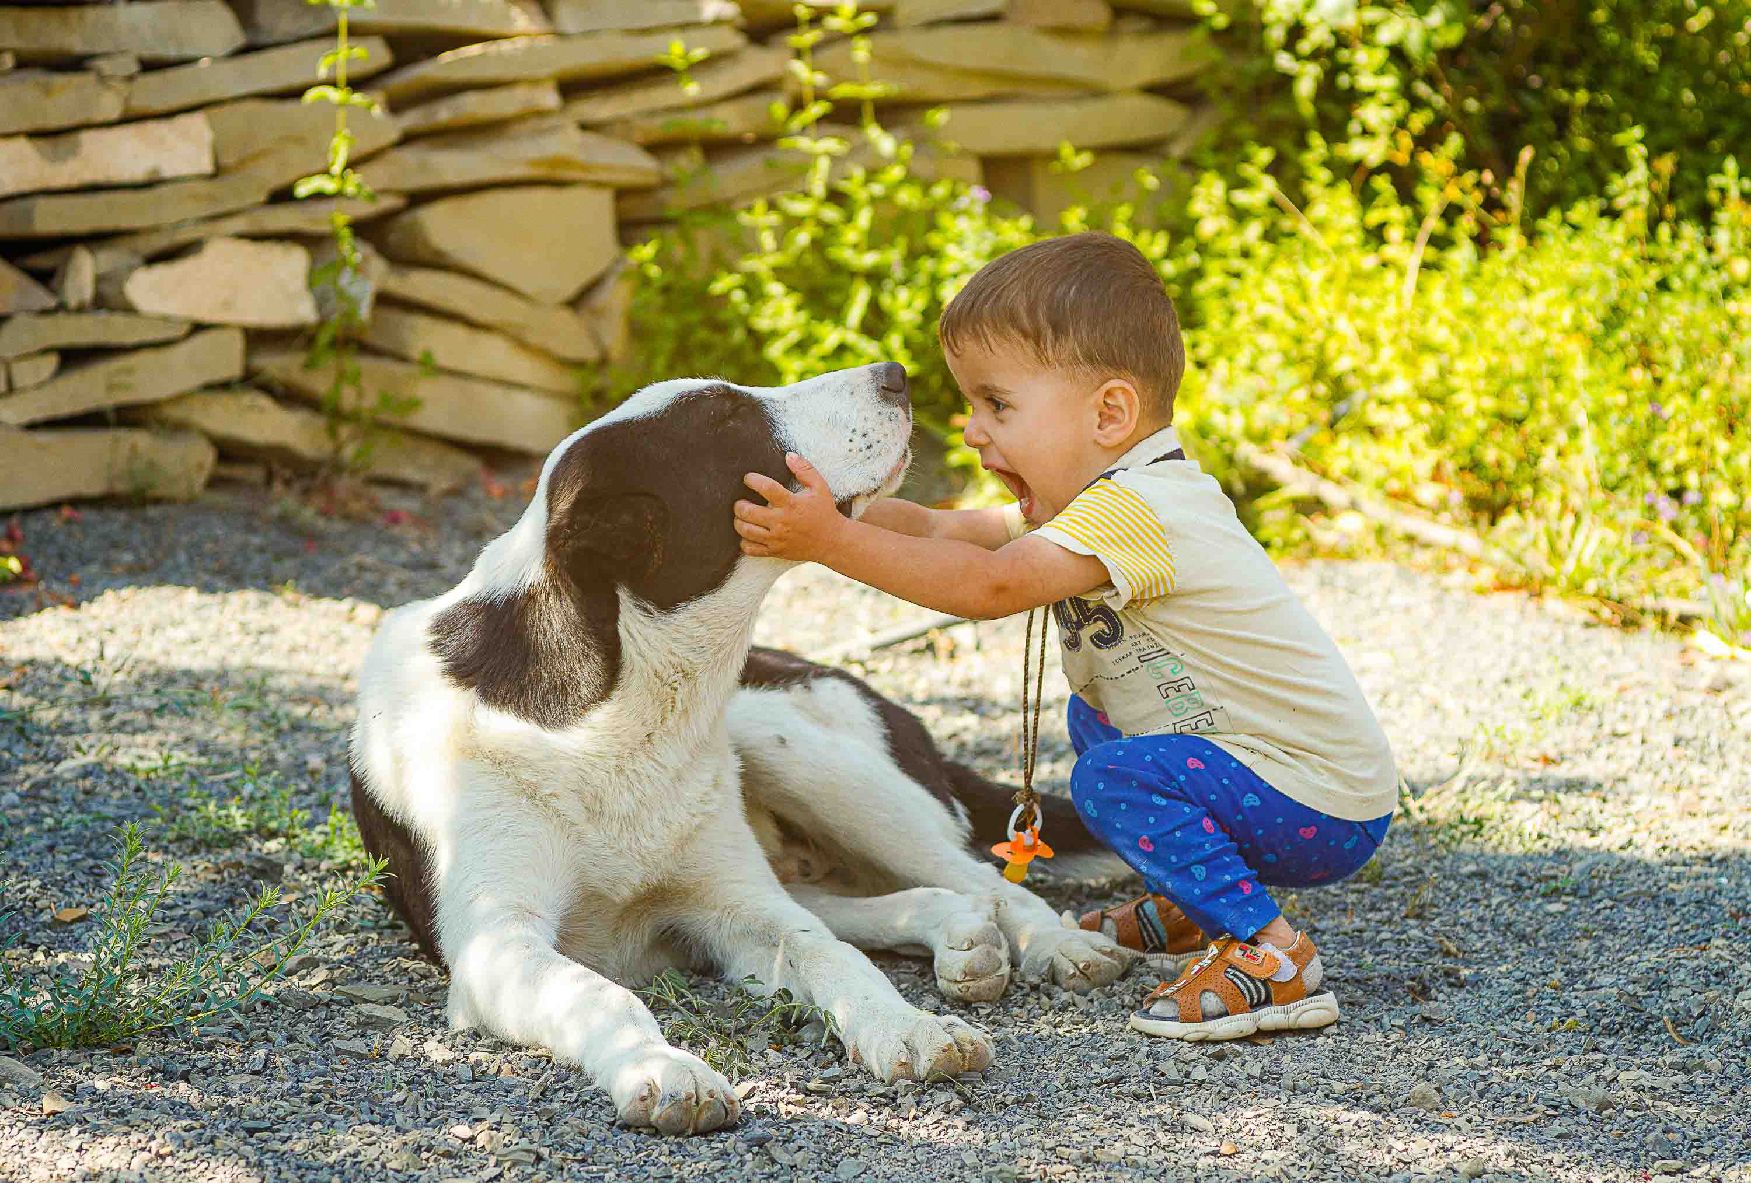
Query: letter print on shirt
x=1099, y=651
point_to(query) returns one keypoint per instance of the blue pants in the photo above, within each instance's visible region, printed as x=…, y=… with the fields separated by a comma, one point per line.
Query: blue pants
x=1202, y=828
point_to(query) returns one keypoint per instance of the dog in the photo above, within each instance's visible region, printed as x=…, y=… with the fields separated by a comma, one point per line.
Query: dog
x=581, y=773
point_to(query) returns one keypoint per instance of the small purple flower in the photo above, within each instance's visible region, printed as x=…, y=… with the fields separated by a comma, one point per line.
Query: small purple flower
x=1638, y=538
x=1659, y=410
x=1692, y=497
x=980, y=193
x=1650, y=498
x=1668, y=509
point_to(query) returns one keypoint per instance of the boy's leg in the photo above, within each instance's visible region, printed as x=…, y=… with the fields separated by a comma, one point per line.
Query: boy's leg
x=1170, y=805
x=1155, y=801
x=1087, y=726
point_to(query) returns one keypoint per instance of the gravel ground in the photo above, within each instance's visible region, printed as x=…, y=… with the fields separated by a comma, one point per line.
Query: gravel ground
x=1545, y=974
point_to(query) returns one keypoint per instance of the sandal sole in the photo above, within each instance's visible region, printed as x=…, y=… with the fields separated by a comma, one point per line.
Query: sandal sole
x=1314, y=1011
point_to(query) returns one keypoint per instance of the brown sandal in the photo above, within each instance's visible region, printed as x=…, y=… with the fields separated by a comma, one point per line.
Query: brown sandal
x=1151, y=925
x=1236, y=989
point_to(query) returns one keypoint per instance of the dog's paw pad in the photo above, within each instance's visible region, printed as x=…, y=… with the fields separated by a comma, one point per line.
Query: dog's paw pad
x=972, y=960
x=923, y=1047
x=673, y=1093
x=1075, y=959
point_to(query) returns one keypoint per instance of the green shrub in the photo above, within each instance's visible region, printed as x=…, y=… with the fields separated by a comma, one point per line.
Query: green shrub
x=1380, y=78
x=1574, y=389
x=1579, y=395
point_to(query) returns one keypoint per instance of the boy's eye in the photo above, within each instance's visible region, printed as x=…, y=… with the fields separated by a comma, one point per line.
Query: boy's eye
x=999, y=405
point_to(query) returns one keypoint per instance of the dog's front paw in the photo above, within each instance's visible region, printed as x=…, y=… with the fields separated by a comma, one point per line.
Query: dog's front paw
x=917, y=1045
x=1073, y=958
x=673, y=1092
x=972, y=958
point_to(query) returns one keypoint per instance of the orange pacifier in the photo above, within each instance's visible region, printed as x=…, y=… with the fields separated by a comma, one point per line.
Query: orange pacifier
x=1023, y=847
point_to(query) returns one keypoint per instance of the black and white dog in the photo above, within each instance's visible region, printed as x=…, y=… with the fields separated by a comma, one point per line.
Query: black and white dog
x=581, y=774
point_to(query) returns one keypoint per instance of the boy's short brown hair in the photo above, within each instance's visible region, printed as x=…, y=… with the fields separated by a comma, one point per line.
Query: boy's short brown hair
x=1088, y=302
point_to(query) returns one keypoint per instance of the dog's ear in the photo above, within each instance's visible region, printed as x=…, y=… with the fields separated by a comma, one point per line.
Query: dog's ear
x=602, y=539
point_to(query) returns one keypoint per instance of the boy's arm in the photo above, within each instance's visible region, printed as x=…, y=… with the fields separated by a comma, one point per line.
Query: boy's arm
x=947, y=574
x=981, y=527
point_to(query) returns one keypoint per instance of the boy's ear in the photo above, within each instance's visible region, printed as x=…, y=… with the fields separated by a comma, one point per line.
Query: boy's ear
x=1118, y=410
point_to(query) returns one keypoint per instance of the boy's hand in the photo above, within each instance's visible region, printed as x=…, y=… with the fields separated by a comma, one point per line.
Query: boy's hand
x=797, y=525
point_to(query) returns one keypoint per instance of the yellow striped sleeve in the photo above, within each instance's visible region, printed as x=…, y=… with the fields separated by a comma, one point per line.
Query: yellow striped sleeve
x=1116, y=526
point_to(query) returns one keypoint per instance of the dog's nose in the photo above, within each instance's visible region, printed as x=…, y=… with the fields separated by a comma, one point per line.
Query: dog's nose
x=892, y=377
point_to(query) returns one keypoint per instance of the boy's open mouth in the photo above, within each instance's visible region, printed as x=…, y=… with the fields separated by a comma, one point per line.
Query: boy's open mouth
x=1018, y=489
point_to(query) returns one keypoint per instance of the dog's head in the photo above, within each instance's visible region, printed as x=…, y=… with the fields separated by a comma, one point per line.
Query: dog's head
x=639, y=504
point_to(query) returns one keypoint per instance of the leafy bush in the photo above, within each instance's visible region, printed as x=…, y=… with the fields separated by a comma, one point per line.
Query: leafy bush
x=1574, y=387
x=1580, y=394
x=113, y=999
x=1379, y=79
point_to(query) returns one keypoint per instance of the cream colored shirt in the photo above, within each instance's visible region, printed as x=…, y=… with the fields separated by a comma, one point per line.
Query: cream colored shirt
x=1197, y=632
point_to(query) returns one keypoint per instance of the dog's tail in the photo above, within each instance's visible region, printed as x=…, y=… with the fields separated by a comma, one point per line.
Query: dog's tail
x=1077, y=854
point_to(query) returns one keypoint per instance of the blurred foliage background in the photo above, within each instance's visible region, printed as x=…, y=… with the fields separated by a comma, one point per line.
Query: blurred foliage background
x=1487, y=265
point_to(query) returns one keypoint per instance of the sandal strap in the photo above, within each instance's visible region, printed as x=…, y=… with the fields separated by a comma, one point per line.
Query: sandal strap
x=1244, y=977
x=1148, y=924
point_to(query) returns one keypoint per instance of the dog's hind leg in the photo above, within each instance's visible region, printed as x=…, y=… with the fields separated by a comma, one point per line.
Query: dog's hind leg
x=839, y=763
x=958, y=932
x=500, y=901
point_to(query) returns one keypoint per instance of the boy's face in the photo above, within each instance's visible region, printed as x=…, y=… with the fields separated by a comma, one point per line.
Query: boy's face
x=1034, y=426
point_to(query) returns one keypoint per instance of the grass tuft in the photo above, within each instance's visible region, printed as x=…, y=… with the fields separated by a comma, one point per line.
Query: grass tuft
x=113, y=998
x=727, y=1035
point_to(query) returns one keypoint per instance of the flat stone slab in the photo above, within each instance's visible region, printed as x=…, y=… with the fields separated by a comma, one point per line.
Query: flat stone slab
x=563, y=59
x=230, y=281
x=252, y=425
x=718, y=77
x=466, y=349
x=742, y=119
x=912, y=81
x=545, y=148
x=545, y=241
x=271, y=22
x=146, y=375
x=281, y=220
x=1083, y=15
x=42, y=100
x=598, y=16
x=739, y=175
x=68, y=215
x=47, y=466
x=472, y=108
x=20, y=335
x=288, y=68
x=1016, y=127
x=465, y=410
x=153, y=30
x=554, y=329
x=31, y=370
x=1117, y=61
x=98, y=157
x=245, y=130
x=20, y=293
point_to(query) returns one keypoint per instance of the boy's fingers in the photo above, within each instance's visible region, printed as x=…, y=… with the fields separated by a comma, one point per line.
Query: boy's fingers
x=747, y=511
x=807, y=473
x=752, y=530
x=775, y=493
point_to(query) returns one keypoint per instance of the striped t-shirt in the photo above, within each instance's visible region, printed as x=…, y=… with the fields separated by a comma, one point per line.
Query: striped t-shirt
x=1197, y=632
